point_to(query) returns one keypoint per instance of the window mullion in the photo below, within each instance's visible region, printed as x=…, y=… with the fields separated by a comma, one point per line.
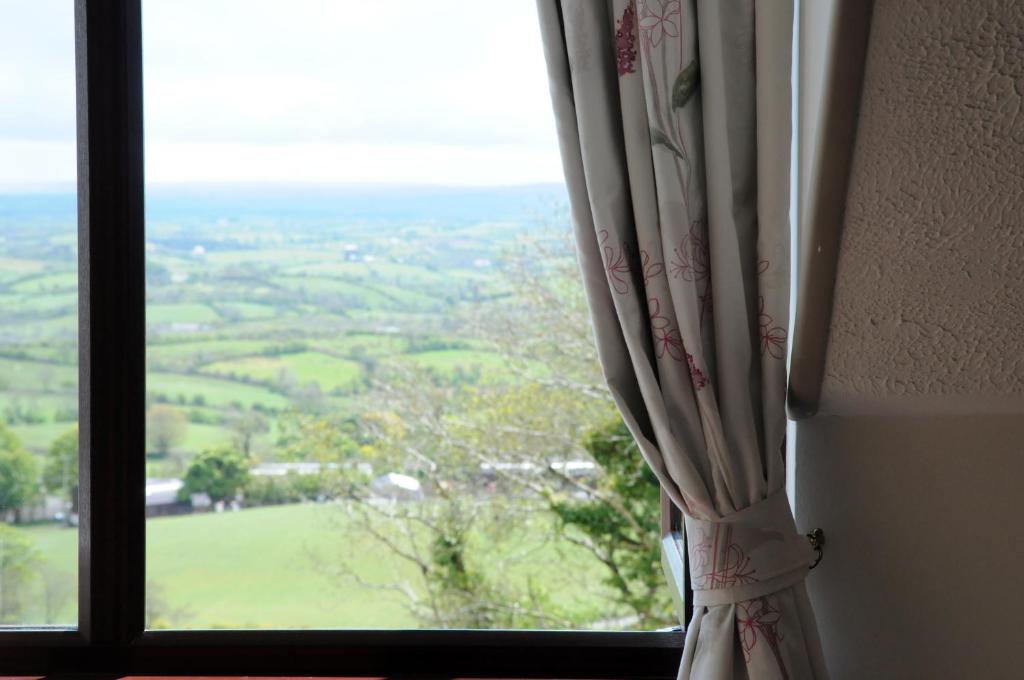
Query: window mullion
x=111, y=320
x=674, y=559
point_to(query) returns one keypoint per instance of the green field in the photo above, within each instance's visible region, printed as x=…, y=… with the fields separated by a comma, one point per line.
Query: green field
x=45, y=303
x=180, y=313
x=275, y=325
x=182, y=355
x=45, y=283
x=364, y=343
x=246, y=310
x=449, y=362
x=11, y=267
x=330, y=373
x=35, y=375
x=215, y=392
x=39, y=437
x=276, y=567
x=263, y=306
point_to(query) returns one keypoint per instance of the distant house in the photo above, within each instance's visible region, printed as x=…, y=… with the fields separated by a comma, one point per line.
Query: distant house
x=493, y=473
x=397, y=487
x=44, y=509
x=569, y=468
x=282, y=469
x=162, y=498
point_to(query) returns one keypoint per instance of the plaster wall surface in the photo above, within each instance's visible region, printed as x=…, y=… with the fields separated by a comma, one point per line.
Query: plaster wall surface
x=929, y=300
x=921, y=575
x=918, y=476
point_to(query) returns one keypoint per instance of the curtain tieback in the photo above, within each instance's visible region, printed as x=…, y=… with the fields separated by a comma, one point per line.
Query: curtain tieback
x=748, y=554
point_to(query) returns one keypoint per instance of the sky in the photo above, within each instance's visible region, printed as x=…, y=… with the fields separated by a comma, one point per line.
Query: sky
x=304, y=91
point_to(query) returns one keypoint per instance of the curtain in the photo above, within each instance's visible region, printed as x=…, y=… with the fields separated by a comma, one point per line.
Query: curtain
x=674, y=126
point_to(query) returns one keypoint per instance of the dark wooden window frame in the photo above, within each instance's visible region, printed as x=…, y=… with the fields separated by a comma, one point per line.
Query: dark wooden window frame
x=111, y=639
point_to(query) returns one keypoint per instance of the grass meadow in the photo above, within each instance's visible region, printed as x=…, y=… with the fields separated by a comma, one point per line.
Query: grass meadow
x=279, y=567
x=263, y=307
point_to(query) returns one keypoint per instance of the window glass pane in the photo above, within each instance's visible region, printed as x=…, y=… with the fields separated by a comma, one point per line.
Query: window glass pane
x=373, y=396
x=38, y=315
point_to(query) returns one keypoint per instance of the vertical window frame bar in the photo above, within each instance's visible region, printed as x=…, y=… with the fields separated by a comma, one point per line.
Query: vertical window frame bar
x=675, y=560
x=111, y=233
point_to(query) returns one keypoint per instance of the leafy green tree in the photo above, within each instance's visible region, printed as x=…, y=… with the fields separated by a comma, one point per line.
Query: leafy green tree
x=244, y=428
x=60, y=472
x=267, y=490
x=19, y=474
x=219, y=473
x=500, y=447
x=461, y=550
x=468, y=595
x=322, y=439
x=624, y=534
x=166, y=427
x=19, y=561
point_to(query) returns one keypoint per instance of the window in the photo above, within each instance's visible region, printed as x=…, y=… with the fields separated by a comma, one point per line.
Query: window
x=38, y=316
x=149, y=291
x=355, y=278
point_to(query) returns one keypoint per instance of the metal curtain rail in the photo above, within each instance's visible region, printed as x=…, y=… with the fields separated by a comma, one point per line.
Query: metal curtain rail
x=822, y=223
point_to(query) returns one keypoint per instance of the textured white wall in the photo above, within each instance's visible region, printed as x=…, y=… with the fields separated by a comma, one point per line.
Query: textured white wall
x=922, y=507
x=929, y=302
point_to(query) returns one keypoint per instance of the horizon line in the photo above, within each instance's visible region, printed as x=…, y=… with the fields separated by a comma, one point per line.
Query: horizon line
x=65, y=187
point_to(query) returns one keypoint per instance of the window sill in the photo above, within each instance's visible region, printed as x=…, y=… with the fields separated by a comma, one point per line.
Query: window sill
x=445, y=653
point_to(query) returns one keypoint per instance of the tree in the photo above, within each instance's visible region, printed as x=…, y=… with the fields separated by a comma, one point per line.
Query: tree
x=302, y=437
x=500, y=448
x=625, y=539
x=219, y=473
x=60, y=473
x=244, y=428
x=58, y=588
x=159, y=614
x=166, y=427
x=19, y=560
x=19, y=475
x=459, y=581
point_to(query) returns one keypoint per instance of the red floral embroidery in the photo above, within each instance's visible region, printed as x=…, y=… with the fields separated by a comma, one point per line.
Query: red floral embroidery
x=616, y=264
x=651, y=269
x=669, y=341
x=625, y=41
x=658, y=320
x=659, y=18
x=700, y=381
x=757, y=619
x=729, y=567
x=692, y=262
x=692, y=255
x=702, y=552
x=666, y=337
x=773, y=338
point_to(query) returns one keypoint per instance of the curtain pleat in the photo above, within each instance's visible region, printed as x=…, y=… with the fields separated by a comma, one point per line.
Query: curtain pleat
x=674, y=124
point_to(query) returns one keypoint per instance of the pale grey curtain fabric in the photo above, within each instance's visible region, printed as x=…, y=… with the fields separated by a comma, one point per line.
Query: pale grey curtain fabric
x=674, y=125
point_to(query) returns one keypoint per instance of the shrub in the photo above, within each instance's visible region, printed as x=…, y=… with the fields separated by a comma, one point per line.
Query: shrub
x=219, y=473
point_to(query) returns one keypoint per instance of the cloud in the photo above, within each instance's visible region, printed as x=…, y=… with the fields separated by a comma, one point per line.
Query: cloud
x=440, y=91
x=351, y=163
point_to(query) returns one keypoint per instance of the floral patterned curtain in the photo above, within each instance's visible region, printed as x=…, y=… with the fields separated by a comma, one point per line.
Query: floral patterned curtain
x=674, y=124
